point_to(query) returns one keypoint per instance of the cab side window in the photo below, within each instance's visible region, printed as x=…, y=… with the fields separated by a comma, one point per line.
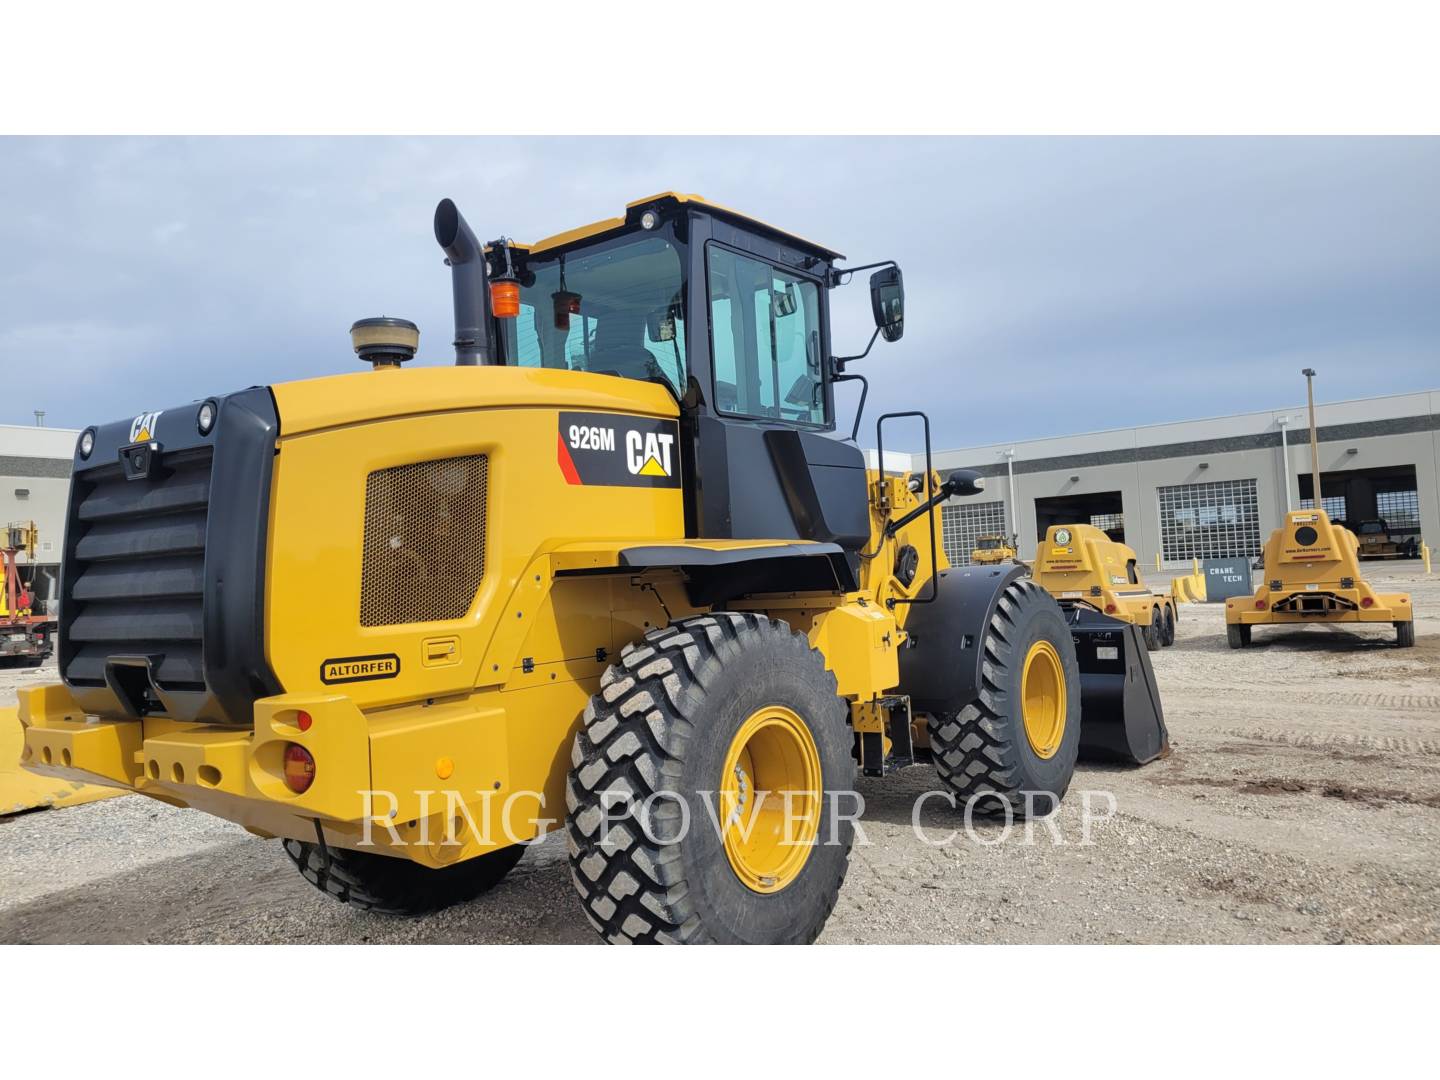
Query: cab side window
x=764, y=340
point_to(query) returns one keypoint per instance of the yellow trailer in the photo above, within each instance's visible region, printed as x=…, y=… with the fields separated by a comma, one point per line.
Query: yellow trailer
x=1080, y=565
x=1312, y=574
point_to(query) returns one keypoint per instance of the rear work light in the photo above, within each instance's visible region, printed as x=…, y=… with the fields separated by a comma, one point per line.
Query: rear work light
x=299, y=768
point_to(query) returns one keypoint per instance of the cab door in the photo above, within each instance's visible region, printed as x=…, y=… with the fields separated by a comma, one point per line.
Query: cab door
x=765, y=462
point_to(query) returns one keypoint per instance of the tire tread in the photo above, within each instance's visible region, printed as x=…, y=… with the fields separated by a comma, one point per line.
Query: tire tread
x=633, y=739
x=974, y=751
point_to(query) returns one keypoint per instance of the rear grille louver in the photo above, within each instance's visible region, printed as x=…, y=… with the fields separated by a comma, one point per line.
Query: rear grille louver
x=138, y=571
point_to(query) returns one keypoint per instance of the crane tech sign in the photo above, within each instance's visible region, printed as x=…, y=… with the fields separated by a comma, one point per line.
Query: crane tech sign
x=609, y=450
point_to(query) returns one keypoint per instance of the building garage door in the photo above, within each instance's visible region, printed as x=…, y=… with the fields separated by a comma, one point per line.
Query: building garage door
x=1333, y=505
x=1209, y=521
x=961, y=524
x=1400, y=509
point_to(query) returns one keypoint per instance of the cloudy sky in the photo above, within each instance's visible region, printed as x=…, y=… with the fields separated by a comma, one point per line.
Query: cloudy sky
x=1052, y=285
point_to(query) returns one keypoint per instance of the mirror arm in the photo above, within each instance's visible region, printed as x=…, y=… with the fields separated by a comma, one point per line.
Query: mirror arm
x=864, y=391
x=842, y=276
x=841, y=361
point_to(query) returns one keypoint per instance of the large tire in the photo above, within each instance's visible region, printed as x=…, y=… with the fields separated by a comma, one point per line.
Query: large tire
x=394, y=886
x=1237, y=635
x=1168, y=637
x=1405, y=634
x=1154, y=632
x=666, y=720
x=984, y=753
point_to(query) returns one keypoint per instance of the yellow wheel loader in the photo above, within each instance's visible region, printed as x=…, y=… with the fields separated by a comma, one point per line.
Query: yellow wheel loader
x=990, y=550
x=611, y=572
x=1080, y=565
x=1312, y=575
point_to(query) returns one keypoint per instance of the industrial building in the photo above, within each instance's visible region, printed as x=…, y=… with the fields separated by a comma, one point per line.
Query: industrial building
x=34, y=485
x=1211, y=488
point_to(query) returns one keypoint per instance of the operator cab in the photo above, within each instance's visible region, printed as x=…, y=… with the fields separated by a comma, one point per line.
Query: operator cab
x=731, y=314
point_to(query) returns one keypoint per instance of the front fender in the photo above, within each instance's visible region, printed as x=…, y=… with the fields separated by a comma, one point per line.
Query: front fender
x=940, y=662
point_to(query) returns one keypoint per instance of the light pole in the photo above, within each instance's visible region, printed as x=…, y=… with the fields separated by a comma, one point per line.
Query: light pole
x=1014, y=510
x=1284, y=423
x=1309, y=374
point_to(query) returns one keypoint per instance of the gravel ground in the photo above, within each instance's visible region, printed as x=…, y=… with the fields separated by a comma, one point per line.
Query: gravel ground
x=1301, y=803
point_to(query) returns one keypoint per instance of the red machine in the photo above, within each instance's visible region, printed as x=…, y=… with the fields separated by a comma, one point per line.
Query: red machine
x=23, y=634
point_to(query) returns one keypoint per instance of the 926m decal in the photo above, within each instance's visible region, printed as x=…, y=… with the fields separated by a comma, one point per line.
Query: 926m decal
x=611, y=450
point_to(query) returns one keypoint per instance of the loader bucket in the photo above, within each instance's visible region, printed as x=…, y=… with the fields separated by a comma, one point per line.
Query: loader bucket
x=1120, y=714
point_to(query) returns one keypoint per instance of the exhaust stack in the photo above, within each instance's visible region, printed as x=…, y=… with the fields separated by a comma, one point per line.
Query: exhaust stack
x=467, y=277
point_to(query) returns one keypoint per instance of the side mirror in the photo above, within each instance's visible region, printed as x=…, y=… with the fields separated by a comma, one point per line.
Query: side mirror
x=887, y=300
x=963, y=482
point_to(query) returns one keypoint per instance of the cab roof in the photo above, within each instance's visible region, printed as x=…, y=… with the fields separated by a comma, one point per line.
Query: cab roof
x=633, y=210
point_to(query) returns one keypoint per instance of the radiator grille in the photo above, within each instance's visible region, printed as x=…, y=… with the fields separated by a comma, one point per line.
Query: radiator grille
x=138, y=570
x=424, y=550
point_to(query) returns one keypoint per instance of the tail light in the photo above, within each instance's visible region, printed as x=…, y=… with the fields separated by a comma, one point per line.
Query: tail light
x=299, y=768
x=1367, y=601
x=1110, y=609
x=504, y=299
x=1261, y=605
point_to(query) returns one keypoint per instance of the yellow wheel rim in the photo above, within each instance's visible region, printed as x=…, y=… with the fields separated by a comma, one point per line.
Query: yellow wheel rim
x=1043, y=699
x=770, y=798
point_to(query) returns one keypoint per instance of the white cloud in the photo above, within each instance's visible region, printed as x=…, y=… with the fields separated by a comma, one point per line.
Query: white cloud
x=1051, y=283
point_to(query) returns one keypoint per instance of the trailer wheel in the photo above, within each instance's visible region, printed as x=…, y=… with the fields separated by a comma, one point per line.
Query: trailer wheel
x=1168, y=634
x=1013, y=749
x=395, y=886
x=1237, y=635
x=1154, y=633
x=1405, y=634
x=682, y=771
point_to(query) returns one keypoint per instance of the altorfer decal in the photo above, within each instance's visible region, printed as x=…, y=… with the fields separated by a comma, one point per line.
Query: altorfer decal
x=359, y=668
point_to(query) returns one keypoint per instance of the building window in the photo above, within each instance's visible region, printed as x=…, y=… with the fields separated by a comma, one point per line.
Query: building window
x=22, y=493
x=1333, y=505
x=1209, y=521
x=962, y=525
x=1400, y=509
